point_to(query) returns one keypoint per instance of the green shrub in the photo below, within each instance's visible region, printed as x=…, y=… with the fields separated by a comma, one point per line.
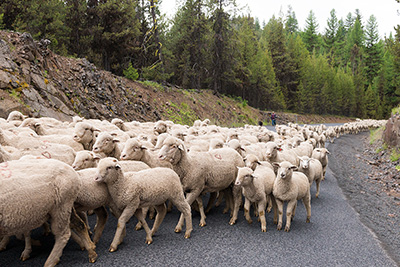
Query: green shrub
x=131, y=73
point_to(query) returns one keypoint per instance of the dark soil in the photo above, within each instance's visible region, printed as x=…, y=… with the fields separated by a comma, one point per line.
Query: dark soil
x=370, y=182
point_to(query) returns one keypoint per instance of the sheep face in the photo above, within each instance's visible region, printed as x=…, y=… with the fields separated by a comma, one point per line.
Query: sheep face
x=105, y=143
x=244, y=176
x=108, y=170
x=284, y=170
x=15, y=116
x=83, y=132
x=118, y=122
x=85, y=159
x=160, y=127
x=133, y=150
x=304, y=162
x=271, y=150
x=171, y=150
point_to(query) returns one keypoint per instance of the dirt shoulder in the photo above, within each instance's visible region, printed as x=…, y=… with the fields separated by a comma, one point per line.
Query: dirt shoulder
x=370, y=183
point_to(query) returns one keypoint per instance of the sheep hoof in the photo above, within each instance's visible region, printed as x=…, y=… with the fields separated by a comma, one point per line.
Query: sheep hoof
x=112, y=249
x=24, y=256
x=93, y=257
x=308, y=220
x=178, y=230
x=287, y=229
x=148, y=242
x=232, y=222
x=187, y=236
x=264, y=230
x=279, y=227
x=269, y=210
x=137, y=228
x=82, y=248
x=202, y=224
x=250, y=221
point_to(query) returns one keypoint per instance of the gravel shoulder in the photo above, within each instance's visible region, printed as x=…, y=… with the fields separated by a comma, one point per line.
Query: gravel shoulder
x=368, y=187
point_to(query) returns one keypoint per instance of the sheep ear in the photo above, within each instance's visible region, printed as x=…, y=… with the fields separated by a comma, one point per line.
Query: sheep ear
x=115, y=140
x=143, y=147
x=259, y=163
x=293, y=167
x=181, y=147
x=95, y=156
x=328, y=152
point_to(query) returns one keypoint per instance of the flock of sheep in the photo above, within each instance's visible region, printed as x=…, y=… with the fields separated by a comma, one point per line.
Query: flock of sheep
x=52, y=173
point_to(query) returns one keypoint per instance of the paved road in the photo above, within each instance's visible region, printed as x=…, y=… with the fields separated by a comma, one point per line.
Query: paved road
x=335, y=237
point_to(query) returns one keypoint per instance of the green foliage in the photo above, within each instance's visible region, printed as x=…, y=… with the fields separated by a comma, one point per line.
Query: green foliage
x=131, y=73
x=154, y=85
x=1, y=21
x=394, y=155
x=181, y=114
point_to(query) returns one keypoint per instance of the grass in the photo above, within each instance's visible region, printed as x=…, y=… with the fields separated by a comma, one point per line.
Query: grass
x=153, y=85
x=375, y=135
x=395, y=155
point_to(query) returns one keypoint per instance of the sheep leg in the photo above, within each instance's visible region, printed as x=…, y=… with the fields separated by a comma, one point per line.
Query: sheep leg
x=279, y=205
x=247, y=205
x=289, y=211
x=28, y=247
x=261, y=215
x=213, y=197
x=4, y=242
x=199, y=201
x=161, y=212
x=139, y=224
x=219, y=199
x=190, y=198
x=102, y=216
x=227, y=192
x=46, y=229
x=151, y=213
x=146, y=227
x=307, y=205
x=294, y=210
x=237, y=199
x=84, y=216
x=80, y=234
x=186, y=212
x=126, y=214
x=62, y=232
x=274, y=208
x=169, y=206
x=317, y=183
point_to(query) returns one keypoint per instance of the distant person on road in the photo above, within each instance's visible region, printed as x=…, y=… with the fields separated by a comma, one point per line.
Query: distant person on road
x=273, y=118
x=260, y=123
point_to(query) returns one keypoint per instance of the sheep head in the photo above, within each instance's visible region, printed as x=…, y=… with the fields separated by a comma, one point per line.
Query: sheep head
x=108, y=170
x=244, y=176
x=172, y=150
x=271, y=149
x=252, y=161
x=133, y=150
x=84, y=132
x=284, y=170
x=105, y=143
x=85, y=159
x=304, y=162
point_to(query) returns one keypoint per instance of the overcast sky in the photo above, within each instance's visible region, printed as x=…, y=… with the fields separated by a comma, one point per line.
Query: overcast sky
x=385, y=11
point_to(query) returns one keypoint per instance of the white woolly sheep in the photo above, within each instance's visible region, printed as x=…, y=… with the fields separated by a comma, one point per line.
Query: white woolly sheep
x=85, y=134
x=131, y=191
x=312, y=168
x=256, y=186
x=199, y=172
x=56, y=186
x=134, y=150
x=272, y=154
x=321, y=154
x=290, y=186
x=108, y=145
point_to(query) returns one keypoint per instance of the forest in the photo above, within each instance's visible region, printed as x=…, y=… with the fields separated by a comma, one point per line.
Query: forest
x=345, y=69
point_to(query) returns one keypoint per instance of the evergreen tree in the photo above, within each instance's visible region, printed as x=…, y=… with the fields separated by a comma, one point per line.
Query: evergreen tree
x=349, y=23
x=373, y=50
x=331, y=30
x=310, y=34
x=75, y=22
x=291, y=25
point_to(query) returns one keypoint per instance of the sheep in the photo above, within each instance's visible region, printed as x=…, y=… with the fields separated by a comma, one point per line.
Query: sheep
x=88, y=159
x=273, y=155
x=256, y=186
x=312, y=168
x=131, y=191
x=134, y=150
x=107, y=144
x=199, y=172
x=62, y=139
x=35, y=190
x=160, y=127
x=48, y=150
x=85, y=134
x=290, y=186
x=15, y=118
x=321, y=154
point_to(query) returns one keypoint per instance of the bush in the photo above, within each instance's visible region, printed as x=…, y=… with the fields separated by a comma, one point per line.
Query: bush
x=131, y=73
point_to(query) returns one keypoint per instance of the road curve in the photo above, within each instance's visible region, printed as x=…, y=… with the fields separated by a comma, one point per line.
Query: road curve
x=335, y=237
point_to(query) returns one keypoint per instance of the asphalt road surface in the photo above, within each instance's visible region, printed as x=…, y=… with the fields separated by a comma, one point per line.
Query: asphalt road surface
x=335, y=237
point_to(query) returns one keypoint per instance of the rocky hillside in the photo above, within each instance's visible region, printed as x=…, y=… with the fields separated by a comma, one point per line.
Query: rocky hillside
x=38, y=82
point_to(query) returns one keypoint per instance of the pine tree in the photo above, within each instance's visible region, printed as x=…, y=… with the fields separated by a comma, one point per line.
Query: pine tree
x=373, y=50
x=291, y=25
x=310, y=34
x=75, y=22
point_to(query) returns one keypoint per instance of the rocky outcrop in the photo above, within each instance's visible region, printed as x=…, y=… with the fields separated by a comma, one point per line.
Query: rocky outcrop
x=391, y=134
x=40, y=83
